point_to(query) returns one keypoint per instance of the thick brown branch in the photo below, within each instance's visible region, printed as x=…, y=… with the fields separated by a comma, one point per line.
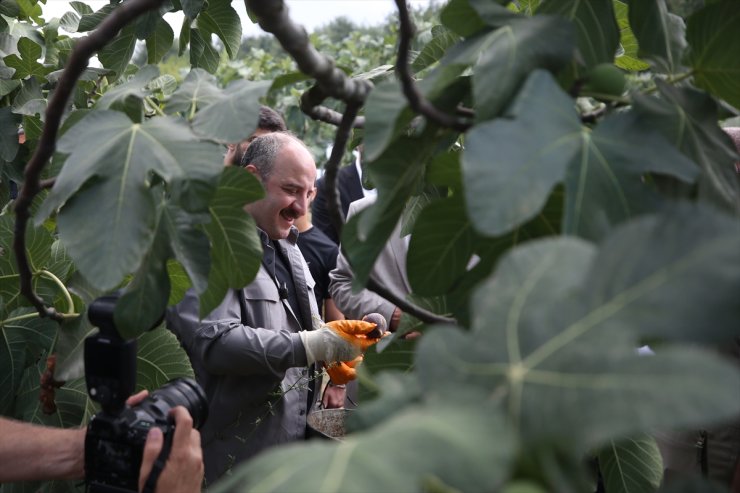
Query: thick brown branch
x=273, y=18
x=417, y=101
x=331, y=169
x=76, y=64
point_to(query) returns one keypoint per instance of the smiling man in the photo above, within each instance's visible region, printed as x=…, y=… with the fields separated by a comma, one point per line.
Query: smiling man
x=255, y=353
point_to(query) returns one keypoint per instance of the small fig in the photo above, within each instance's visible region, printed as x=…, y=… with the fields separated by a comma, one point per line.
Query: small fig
x=380, y=325
x=606, y=78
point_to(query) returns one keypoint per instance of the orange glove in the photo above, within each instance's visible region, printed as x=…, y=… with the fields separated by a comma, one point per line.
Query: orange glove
x=342, y=372
x=359, y=333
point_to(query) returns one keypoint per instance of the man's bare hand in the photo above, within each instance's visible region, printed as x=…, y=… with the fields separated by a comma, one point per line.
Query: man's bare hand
x=183, y=472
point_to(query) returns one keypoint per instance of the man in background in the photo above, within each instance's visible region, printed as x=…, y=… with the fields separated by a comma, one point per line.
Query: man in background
x=349, y=188
x=269, y=121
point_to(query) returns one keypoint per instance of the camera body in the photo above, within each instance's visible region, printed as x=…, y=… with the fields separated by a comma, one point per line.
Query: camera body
x=115, y=438
x=115, y=442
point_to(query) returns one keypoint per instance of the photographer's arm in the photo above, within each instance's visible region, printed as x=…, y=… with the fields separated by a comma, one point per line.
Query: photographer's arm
x=31, y=452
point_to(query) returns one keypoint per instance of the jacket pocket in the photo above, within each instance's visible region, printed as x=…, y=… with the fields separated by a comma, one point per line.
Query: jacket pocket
x=263, y=304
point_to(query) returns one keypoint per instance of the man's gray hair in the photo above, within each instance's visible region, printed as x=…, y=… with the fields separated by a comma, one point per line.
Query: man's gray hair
x=263, y=151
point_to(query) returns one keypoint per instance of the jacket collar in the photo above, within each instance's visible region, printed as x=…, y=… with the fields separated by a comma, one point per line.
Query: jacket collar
x=292, y=236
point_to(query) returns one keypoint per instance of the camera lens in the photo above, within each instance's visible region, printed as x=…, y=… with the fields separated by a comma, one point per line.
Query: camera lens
x=185, y=392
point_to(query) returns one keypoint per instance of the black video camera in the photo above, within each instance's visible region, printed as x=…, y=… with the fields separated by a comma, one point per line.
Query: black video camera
x=115, y=437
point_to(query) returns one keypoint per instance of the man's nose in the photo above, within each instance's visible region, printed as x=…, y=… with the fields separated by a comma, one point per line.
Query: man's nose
x=301, y=204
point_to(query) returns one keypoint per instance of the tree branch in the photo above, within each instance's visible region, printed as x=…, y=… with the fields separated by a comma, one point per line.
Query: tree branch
x=331, y=167
x=273, y=18
x=332, y=82
x=311, y=105
x=76, y=65
x=424, y=315
x=416, y=100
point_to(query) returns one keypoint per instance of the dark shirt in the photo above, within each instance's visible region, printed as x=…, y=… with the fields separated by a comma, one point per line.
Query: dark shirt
x=349, y=188
x=321, y=256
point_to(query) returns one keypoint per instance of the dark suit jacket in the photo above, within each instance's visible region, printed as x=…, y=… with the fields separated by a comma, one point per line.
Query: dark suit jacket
x=349, y=187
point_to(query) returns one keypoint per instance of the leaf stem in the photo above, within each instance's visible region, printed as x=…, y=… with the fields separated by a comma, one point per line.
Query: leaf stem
x=63, y=289
x=155, y=107
x=21, y=317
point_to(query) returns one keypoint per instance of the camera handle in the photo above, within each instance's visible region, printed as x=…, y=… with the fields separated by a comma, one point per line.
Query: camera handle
x=158, y=466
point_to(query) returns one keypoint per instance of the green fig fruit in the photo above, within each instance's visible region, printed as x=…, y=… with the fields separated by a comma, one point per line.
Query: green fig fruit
x=605, y=78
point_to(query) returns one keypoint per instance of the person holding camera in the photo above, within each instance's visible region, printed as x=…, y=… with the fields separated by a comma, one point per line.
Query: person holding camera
x=30, y=452
x=254, y=354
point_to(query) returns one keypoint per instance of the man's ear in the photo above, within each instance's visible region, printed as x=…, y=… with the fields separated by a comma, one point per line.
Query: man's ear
x=253, y=169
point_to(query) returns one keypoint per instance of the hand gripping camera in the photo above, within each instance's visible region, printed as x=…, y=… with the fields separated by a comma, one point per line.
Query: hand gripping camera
x=115, y=437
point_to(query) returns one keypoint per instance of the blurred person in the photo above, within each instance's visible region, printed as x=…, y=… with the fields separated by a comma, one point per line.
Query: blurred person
x=269, y=121
x=349, y=189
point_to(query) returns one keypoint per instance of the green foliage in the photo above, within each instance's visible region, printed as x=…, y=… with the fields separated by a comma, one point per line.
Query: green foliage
x=581, y=216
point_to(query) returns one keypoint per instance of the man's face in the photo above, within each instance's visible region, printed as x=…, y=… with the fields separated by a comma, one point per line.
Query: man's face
x=288, y=191
x=234, y=152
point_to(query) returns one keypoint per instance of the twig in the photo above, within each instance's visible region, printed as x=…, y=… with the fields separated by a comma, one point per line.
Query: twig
x=76, y=65
x=416, y=100
x=424, y=315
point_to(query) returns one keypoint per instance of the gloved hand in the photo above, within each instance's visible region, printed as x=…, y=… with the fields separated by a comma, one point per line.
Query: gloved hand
x=339, y=340
x=341, y=372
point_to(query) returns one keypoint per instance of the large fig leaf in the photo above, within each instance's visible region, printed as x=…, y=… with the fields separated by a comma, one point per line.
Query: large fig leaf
x=385, y=104
x=511, y=165
x=510, y=53
x=220, y=18
x=144, y=300
x=715, y=49
x=604, y=184
x=160, y=358
x=89, y=20
x=461, y=18
x=234, y=115
x=466, y=448
x=236, y=251
x=108, y=170
x=202, y=52
x=159, y=41
x=556, y=330
x=442, y=39
x=45, y=257
x=198, y=90
x=25, y=336
x=659, y=33
x=688, y=119
x=631, y=465
x=442, y=244
x=25, y=63
x=116, y=55
x=596, y=27
x=129, y=96
x=396, y=173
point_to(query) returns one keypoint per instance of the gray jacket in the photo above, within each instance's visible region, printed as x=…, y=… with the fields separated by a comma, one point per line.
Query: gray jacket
x=390, y=270
x=254, y=374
